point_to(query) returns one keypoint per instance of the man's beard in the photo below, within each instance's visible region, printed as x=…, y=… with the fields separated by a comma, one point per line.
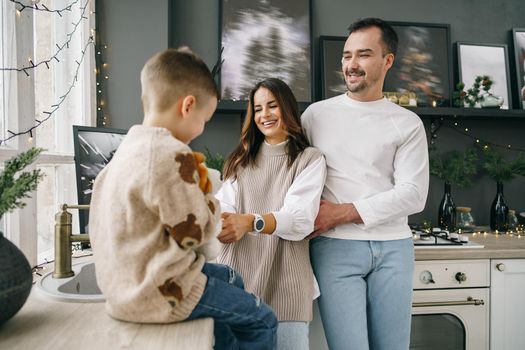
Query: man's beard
x=356, y=87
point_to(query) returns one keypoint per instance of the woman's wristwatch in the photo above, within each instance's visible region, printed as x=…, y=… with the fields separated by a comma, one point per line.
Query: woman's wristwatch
x=258, y=223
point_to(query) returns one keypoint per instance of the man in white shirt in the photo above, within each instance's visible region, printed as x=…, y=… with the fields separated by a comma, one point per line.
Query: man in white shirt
x=377, y=175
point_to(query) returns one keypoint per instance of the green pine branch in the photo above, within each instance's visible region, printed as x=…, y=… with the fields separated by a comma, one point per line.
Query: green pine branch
x=214, y=161
x=500, y=169
x=16, y=185
x=454, y=167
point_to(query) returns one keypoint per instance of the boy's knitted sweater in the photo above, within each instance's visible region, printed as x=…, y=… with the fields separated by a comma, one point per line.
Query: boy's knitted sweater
x=148, y=217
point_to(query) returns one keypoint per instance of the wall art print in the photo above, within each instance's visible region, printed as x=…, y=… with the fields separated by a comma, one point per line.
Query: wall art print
x=518, y=38
x=94, y=148
x=262, y=39
x=332, y=79
x=422, y=63
x=486, y=59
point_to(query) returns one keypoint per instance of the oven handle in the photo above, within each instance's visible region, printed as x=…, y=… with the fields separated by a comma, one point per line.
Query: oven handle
x=469, y=301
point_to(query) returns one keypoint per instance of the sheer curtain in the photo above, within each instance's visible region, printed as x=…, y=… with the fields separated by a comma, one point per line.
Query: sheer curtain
x=57, y=37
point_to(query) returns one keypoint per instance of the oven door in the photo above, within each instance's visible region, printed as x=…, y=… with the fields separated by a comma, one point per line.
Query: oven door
x=454, y=319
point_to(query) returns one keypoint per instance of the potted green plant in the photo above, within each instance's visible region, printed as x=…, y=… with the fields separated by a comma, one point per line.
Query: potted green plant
x=454, y=168
x=16, y=276
x=214, y=161
x=500, y=170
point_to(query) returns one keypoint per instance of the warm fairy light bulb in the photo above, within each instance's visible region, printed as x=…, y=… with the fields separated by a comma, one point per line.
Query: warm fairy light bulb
x=18, y=13
x=466, y=129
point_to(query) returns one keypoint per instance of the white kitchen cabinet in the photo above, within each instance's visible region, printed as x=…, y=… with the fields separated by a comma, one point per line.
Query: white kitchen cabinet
x=507, y=299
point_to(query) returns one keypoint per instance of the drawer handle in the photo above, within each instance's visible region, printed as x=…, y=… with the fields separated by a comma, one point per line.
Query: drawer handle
x=469, y=301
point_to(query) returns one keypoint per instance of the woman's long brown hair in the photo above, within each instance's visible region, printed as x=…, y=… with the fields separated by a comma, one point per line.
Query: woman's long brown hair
x=251, y=137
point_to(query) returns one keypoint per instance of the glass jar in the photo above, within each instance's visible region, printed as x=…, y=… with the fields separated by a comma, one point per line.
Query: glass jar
x=465, y=220
x=513, y=220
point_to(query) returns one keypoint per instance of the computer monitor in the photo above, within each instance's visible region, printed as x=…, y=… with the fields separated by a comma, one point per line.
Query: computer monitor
x=94, y=148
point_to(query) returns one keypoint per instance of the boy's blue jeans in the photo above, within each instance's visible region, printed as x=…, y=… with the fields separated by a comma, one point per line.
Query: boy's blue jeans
x=241, y=320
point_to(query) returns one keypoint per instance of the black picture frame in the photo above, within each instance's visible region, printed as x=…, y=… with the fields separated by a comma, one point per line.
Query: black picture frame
x=94, y=148
x=331, y=52
x=518, y=41
x=423, y=63
x=476, y=59
x=262, y=39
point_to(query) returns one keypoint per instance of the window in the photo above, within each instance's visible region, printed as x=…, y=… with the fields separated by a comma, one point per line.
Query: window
x=54, y=41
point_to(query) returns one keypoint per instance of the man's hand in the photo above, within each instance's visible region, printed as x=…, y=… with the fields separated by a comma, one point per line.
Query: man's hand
x=331, y=215
x=235, y=226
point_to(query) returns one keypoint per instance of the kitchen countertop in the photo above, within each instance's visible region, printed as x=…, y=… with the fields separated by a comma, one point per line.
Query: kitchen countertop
x=496, y=246
x=46, y=324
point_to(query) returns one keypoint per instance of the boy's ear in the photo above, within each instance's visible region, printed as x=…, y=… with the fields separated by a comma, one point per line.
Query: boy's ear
x=188, y=104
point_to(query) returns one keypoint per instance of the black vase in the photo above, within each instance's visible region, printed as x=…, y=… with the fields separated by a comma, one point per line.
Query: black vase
x=16, y=279
x=499, y=211
x=447, y=211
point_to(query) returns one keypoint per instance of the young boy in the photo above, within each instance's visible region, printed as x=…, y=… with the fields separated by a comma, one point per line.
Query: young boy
x=149, y=216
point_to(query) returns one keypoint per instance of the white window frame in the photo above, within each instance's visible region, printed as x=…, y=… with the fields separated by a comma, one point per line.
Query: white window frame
x=22, y=223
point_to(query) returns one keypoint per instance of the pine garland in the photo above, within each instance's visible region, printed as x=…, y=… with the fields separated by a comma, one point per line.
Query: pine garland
x=454, y=167
x=500, y=169
x=14, y=186
x=214, y=161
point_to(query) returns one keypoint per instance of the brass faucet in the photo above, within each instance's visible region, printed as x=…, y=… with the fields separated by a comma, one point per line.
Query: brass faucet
x=63, y=240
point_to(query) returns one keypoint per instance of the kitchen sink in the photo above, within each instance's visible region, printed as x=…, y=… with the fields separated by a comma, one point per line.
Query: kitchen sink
x=80, y=288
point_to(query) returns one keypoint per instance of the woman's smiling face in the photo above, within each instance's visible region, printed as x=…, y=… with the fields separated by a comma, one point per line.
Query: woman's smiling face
x=268, y=117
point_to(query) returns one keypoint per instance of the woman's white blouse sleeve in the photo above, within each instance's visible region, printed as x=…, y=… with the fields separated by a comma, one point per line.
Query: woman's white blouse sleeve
x=296, y=218
x=226, y=195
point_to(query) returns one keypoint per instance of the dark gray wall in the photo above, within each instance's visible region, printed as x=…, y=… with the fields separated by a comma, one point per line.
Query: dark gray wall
x=135, y=30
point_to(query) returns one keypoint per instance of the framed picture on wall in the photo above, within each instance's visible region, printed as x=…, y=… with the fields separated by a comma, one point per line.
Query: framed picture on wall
x=94, y=148
x=332, y=80
x=422, y=63
x=485, y=59
x=262, y=39
x=518, y=39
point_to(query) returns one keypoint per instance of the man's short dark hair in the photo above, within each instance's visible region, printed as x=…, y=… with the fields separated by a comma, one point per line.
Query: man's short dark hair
x=388, y=34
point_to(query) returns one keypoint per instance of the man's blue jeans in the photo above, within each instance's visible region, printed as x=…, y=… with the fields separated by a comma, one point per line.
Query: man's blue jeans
x=366, y=292
x=241, y=320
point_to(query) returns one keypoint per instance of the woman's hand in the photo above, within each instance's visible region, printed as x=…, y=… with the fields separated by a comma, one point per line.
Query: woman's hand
x=235, y=226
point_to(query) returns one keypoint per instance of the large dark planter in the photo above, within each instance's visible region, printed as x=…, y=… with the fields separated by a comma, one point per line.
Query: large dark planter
x=16, y=279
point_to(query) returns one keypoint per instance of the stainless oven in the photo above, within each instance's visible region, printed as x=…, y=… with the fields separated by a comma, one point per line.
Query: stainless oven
x=451, y=305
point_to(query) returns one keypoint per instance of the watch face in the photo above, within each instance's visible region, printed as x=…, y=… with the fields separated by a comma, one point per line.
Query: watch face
x=259, y=224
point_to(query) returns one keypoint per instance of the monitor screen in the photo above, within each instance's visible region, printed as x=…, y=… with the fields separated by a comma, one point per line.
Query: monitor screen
x=94, y=148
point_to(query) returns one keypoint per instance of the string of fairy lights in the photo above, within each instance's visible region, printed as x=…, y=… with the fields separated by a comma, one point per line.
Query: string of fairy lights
x=101, y=70
x=43, y=7
x=33, y=65
x=465, y=131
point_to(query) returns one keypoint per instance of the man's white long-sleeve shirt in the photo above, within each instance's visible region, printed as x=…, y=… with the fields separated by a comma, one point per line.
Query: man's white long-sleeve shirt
x=377, y=158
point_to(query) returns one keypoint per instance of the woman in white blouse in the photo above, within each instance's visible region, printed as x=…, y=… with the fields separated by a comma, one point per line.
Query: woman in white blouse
x=270, y=199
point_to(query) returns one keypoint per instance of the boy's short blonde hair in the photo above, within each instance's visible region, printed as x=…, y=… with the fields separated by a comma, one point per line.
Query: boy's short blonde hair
x=172, y=74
